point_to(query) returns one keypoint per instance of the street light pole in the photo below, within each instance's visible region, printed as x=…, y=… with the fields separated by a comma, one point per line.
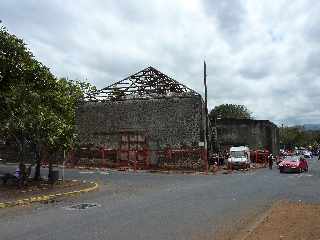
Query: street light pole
x=216, y=133
x=282, y=137
x=206, y=113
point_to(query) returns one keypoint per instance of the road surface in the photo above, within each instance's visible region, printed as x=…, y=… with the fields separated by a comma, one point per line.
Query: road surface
x=160, y=206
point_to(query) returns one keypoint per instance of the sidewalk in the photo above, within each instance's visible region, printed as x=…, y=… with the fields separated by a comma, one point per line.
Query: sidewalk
x=41, y=191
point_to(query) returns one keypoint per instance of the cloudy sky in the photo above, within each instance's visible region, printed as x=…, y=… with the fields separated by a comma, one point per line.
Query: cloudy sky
x=261, y=53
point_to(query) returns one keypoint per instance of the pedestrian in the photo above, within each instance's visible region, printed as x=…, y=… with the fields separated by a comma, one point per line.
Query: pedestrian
x=17, y=173
x=270, y=161
x=21, y=174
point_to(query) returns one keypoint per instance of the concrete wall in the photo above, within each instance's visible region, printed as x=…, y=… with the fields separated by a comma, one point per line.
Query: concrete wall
x=169, y=121
x=256, y=134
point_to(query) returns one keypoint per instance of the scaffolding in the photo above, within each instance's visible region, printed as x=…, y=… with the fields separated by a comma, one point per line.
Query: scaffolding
x=146, y=84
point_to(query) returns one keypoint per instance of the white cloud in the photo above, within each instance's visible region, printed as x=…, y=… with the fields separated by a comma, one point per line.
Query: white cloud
x=259, y=53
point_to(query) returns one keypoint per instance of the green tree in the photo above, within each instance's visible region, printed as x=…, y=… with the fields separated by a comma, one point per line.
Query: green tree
x=55, y=125
x=24, y=85
x=297, y=136
x=230, y=111
x=36, y=108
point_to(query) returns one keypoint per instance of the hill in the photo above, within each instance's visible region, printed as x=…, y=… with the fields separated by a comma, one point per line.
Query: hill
x=311, y=127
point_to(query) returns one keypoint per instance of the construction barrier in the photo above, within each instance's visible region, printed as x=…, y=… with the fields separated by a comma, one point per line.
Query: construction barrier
x=194, y=159
x=259, y=156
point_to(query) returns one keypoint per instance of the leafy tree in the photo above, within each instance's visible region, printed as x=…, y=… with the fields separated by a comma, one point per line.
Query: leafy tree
x=37, y=108
x=297, y=136
x=24, y=84
x=55, y=125
x=230, y=111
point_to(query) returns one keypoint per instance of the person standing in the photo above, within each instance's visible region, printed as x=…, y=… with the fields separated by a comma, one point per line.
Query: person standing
x=270, y=161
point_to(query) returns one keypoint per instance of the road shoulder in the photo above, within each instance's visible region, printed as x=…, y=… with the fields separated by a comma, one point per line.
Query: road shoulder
x=287, y=220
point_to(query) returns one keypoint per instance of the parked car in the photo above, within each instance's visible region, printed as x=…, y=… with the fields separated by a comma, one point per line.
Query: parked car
x=293, y=164
x=239, y=157
x=307, y=154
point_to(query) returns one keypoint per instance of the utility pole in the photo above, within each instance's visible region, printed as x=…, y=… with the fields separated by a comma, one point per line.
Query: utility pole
x=216, y=134
x=206, y=114
x=282, y=137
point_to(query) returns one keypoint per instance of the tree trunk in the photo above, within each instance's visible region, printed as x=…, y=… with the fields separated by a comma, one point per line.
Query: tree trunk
x=38, y=162
x=20, y=144
x=50, y=171
x=51, y=180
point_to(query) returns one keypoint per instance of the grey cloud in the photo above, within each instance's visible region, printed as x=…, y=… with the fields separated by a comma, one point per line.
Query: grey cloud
x=312, y=27
x=131, y=10
x=313, y=62
x=276, y=75
x=230, y=14
x=41, y=16
x=255, y=72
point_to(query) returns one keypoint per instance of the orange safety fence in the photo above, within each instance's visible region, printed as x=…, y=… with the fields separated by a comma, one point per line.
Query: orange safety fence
x=194, y=159
x=259, y=156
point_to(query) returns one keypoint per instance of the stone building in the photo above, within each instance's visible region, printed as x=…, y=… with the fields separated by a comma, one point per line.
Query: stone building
x=257, y=134
x=146, y=118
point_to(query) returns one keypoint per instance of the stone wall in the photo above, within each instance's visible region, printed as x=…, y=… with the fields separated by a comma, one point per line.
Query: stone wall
x=172, y=121
x=257, y=134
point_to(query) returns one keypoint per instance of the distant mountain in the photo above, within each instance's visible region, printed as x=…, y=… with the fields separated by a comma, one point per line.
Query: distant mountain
x=311, y=127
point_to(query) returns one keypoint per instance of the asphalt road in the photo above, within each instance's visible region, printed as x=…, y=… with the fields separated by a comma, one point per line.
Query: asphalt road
x=160, y=206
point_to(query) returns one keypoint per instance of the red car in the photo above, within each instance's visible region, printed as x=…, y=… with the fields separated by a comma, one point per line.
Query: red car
x=293, y=164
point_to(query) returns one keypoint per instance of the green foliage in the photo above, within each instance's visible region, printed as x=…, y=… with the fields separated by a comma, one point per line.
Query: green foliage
x=26, y=87
x=15, y=64
x=35, y=106
x=230, y=111
x=69, y=95
x=117, y=94
x=296, y=136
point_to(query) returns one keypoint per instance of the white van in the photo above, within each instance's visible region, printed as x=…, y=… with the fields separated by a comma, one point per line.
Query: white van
x=239, y=157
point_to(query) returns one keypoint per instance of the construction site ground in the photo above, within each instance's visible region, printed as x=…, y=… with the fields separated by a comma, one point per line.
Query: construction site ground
x=288, y=221
x=282, y=221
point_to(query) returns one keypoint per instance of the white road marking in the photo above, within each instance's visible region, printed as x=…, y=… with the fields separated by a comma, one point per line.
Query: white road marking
x=297, y=175
x=87, y=172
x=247, y=174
